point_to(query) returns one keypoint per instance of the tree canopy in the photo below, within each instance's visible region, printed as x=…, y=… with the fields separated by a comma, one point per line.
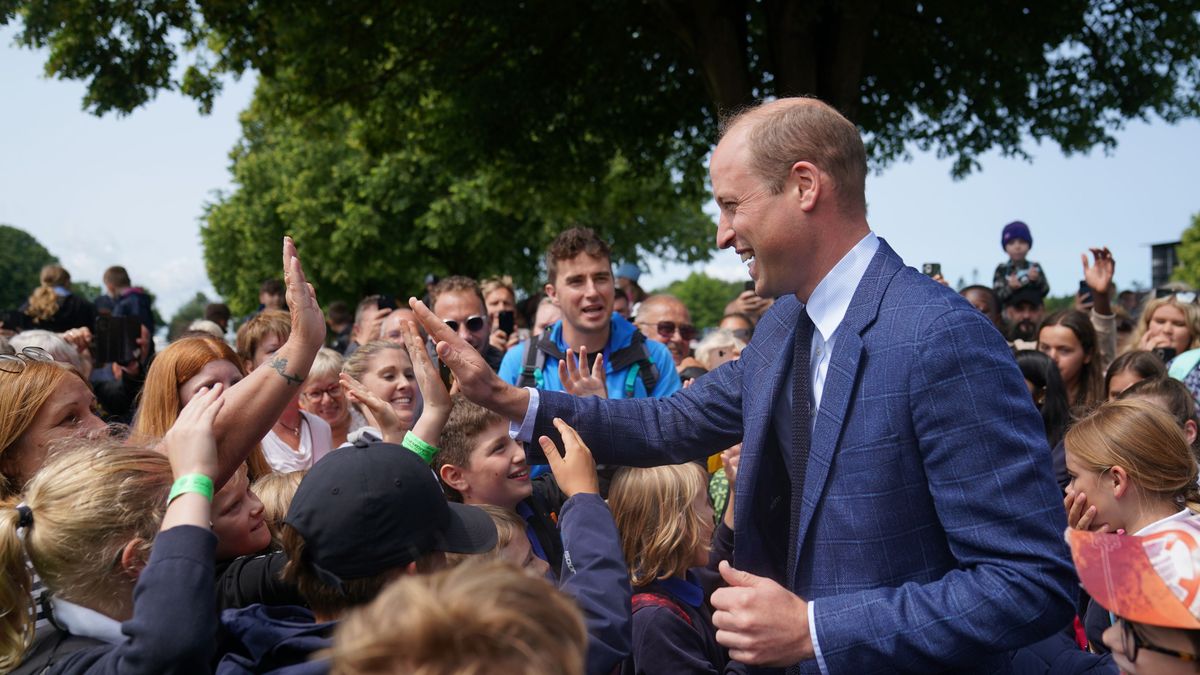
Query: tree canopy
x=705, y=297
x=442, y=128
x=21, y=261
x=1189, y=254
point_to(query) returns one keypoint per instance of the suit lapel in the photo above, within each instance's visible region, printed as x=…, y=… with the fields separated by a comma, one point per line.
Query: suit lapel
x=840, y=381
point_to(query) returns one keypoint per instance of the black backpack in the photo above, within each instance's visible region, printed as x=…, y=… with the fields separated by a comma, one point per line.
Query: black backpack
x=635, y=357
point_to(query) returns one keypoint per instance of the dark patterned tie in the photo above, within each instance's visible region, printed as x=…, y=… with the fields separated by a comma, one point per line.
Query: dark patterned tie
x=801, y=440
x=801, y=433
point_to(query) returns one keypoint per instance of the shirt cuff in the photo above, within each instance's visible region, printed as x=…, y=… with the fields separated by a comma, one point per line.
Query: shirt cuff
x=524, y=431
x=812, y=633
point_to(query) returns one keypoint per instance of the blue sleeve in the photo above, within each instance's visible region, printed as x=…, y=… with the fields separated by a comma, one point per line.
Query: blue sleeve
x=984, y=454
x=692, y=424
x=1059, y=655
x=595, y=574
x=510, y=367
x=668, y=377
x=174, y=622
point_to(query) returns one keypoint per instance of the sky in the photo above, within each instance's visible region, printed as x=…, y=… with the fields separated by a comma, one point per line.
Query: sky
x=131, y=190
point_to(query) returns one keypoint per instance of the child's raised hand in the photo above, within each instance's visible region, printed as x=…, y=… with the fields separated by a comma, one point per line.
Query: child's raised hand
x=378, y=412
x=580, y=380
x=190, y=443
x=574, y=468
x=433, y=390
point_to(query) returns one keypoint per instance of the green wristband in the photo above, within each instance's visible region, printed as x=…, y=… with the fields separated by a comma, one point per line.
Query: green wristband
x=424, y=450
x=192, y=482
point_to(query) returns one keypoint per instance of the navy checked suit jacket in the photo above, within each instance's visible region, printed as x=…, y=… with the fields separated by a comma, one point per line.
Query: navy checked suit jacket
x=931, y=531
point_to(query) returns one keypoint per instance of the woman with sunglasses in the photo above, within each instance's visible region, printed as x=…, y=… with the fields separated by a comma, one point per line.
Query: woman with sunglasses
x=1130, y=469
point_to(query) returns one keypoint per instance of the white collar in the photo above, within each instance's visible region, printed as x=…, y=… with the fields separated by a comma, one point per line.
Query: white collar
x=830, y=300
x=84, y=622
x=1186, y=513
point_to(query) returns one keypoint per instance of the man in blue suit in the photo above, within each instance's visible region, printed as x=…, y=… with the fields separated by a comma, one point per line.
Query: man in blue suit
x=895, y=507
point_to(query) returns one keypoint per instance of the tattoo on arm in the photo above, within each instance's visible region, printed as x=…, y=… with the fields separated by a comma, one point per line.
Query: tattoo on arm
x=280, y=366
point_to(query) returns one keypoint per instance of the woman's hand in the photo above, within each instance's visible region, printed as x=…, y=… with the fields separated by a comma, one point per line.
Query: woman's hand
x=1079, y=515
x=190, y=443
x=574, y=469
x=308, y=322
x=437, y=406
x=580, y=380
x=379, y=413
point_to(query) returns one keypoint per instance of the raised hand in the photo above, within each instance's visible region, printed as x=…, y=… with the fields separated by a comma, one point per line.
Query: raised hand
x=574, y=469
x=474, y=378
x=190, y=444
x=308, y=322
x=437, y=406
x=580, y=380
x=379, y=413
x=1099, y=278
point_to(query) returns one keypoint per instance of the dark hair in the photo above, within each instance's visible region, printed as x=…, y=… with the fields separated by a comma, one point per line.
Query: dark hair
x=620, y=294
x=117, y=276
x=570, y=243
x=217, y=312
x=1089, y=389
x=1145, y=364
x=1048, y=392
x=993, y=310
x=272, y=287
x=339, y=312
x=456, y=284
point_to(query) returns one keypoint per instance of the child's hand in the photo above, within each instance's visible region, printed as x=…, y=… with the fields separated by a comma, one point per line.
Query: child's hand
x=578, y=379
x=190, y=444
x=429, y=381
x=730, y=459
x=574, y=469
x=378, y=412
x=1014, y=282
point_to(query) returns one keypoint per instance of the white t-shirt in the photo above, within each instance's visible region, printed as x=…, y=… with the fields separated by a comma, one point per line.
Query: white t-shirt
x=316, y=440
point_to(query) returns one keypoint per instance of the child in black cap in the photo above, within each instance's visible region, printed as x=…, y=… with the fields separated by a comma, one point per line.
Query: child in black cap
x=1017, y=273
x=362, y=516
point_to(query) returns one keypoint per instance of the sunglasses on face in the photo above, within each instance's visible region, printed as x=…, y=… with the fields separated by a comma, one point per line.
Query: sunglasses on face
x=1132, y=643
x=666, y=329
x=474, y=324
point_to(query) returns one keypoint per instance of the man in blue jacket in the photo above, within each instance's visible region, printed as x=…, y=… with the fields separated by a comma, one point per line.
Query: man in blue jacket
x=579, y=269
x=895, y=505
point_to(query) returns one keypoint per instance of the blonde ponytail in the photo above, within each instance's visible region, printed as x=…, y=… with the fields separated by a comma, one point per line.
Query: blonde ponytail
x=43, y=302
x=16, y=600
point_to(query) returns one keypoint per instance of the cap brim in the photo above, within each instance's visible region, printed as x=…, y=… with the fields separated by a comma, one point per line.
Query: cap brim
x=470, y=530
x=1117, y=573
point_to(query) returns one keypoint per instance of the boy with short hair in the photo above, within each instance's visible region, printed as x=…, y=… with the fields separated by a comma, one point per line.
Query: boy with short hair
x=361, y=517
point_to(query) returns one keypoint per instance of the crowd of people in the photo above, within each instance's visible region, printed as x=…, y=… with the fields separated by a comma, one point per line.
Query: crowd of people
x=843, y=475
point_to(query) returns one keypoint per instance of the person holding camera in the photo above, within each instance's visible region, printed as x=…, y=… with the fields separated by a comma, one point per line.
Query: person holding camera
x=1017, y=272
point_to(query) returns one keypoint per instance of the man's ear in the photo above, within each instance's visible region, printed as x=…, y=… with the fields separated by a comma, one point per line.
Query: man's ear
x=807, y=182
x=453, y=476
x=134, y=558
x=1119, y=480
x=551, y=292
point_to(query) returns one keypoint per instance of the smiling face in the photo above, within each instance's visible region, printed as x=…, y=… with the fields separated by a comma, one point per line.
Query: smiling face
x=323, y=397
x=213, y=372
x=583, y=290
x=66, y=413
x=461, y=307
x=390, y=376
x=237, y=519
x=1061, y=345
x=671, y=311
x=765, y=229
x=496, y=472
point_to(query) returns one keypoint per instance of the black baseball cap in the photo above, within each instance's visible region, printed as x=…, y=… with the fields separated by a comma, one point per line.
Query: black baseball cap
x=1026, y=294
x=372, y=507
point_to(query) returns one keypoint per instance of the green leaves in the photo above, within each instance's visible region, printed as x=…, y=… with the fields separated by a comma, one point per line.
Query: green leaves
x=21, y=261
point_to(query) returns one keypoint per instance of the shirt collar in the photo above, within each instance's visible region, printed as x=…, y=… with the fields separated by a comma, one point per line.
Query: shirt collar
x=686, y=590
x=1182, y=515
x=831, y=298
x=83, y=622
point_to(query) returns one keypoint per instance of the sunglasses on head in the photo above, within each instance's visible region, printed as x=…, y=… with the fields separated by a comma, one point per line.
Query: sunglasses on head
x=667, y=329
x=474, y=324
x=1181, y=296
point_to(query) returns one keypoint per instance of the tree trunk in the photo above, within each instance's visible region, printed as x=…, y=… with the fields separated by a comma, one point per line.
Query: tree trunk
x=713, y=34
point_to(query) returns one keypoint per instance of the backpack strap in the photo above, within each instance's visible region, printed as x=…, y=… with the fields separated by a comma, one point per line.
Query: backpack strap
x=535, y=360
x=637, y=358
x=1183, y=364
x=651, y=599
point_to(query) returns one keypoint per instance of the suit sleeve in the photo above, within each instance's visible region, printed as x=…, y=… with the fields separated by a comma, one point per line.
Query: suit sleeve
x=691, y=424
x=989, y=474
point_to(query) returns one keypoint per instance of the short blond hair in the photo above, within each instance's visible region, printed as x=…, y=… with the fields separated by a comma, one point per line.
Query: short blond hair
x=479, y=617
x=718, y=339
x=652, y=507
x=1191, y=315
x=22, y=395
x=275, y=491
x=89, y=500
x=267, y=322
x=509, y=526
